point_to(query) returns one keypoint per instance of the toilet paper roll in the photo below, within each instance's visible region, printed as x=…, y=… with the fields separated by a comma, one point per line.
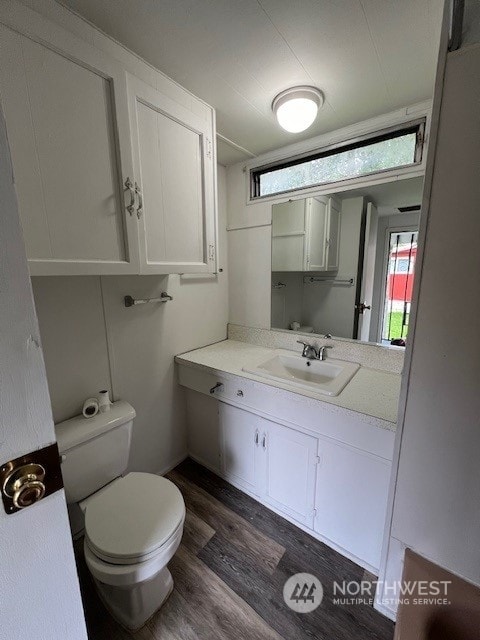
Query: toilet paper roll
x=104, y=401
x=90, y=407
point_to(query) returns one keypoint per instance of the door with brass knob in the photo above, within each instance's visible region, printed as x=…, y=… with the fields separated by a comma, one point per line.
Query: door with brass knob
x=26, y=480
x=24, y=485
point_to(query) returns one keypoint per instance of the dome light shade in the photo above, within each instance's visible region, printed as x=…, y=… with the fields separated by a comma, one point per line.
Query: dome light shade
x=297, y=108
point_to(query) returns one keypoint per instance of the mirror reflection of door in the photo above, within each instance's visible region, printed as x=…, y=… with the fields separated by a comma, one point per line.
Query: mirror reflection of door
x=364, y=307
x=400, y=271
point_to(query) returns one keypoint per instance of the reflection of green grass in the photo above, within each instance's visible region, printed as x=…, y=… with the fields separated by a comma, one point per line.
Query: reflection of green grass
x=396, y=325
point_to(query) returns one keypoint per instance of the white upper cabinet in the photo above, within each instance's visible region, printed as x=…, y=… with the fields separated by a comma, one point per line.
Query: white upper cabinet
x=112, y=176
x=174, y=174
x=306, y=235
x=64, y=131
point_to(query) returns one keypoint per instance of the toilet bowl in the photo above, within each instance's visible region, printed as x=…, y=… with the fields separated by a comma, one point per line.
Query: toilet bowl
x=133, y=523
x=132, y=530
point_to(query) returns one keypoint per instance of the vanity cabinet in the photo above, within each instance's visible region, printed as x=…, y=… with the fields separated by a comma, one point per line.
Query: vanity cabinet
x=112, y=176
x=324, y=470
x=350, y=499
x=287, y=466
x=270, y=461
x=240, y=447
x=306, y=235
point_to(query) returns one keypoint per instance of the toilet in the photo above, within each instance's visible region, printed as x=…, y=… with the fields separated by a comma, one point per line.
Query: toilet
x=133, y=523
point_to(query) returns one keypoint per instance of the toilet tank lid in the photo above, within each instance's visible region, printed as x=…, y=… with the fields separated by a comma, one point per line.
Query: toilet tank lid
x=79, y=429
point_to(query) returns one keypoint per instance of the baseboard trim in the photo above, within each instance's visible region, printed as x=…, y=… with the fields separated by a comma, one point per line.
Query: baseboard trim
x=173, y=464
x=311, y=532
x=385, y=611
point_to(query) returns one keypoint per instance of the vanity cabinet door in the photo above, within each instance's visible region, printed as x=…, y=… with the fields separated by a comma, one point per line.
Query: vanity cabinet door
x=66, y=113
x=173, y=158
x=240, y=446
x=351, y=499
x=287, y=470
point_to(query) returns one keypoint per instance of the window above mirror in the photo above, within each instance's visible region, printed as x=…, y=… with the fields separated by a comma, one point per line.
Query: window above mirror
x=387, y=150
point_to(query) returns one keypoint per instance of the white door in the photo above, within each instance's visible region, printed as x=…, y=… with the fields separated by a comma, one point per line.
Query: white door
x=39, y=591
x=175, y=179
x=368, y=274
x=287, y=470
x=240, y=444
x=351, y=499
x=67, y=121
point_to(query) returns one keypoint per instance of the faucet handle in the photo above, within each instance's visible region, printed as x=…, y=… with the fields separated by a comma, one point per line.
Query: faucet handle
x=306, y=348
x=321, y=351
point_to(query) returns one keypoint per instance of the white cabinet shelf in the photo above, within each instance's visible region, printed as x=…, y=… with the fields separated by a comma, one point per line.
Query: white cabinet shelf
x=80, y=129
x=306, y=235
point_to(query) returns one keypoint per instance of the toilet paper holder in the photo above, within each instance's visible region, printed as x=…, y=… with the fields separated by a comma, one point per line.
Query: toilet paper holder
x=130, y=302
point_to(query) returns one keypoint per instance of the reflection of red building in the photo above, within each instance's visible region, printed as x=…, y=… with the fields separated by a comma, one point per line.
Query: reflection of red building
x=400, y=274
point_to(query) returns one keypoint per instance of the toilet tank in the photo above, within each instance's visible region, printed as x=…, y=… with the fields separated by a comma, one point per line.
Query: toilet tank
x=94, y=451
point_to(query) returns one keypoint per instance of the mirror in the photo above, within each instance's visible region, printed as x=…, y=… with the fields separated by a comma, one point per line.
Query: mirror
x=344, y=264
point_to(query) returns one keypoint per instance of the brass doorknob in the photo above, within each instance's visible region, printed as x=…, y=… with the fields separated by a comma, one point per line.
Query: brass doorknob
x=25, y=485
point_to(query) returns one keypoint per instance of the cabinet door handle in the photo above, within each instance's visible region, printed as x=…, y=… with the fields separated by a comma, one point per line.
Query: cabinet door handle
x=129, y=187
x=264, y=441
x=256, y=438
x=140, y=201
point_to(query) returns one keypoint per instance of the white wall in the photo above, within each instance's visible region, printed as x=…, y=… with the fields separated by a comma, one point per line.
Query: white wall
x=91, y=341
x=249, y=266
x=437, y=488
x=287, y=301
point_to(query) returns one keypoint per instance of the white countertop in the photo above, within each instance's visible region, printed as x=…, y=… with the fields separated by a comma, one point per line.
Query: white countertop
x=370, y=392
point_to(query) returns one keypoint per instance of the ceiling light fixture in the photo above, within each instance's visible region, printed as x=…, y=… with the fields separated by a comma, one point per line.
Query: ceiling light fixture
x=297, y=108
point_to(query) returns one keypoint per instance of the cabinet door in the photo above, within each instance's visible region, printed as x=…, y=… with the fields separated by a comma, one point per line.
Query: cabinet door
x=351, y=499
x=287, y=470
x=288, y=236
x=67, y=124
x=174, y=172
x=317, y=224
x=240, y=436
x=333, y=235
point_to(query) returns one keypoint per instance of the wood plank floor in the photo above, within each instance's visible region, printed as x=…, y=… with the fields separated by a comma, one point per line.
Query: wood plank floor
x=229, y=574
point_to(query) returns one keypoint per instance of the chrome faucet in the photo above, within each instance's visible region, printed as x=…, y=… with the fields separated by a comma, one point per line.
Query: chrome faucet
x=310, y=352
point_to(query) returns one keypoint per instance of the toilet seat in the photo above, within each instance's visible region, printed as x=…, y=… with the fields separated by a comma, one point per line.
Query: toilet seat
x=133, y=519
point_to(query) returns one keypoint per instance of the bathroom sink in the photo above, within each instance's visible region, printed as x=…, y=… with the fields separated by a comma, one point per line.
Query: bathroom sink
x=327, y=377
